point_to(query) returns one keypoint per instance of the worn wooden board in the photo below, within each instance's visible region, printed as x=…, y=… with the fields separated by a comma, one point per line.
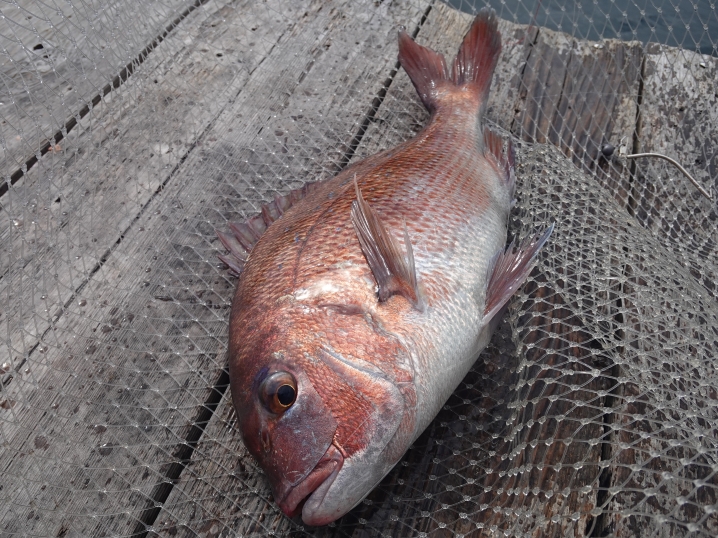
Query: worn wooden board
x=580, y=96
x=148, y=321
x=679, y=118
x=660, y=463
x=71, y=209
x=124, y=366
x=58, y=56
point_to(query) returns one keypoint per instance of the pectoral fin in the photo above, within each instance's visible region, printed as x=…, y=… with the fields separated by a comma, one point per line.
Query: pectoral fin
x=508, y=270
x=394, y=274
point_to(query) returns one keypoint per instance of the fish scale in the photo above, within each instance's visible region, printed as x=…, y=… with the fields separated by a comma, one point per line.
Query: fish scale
x=368, y=297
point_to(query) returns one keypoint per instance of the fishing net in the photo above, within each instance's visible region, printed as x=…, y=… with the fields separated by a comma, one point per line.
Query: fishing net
x=130, y=131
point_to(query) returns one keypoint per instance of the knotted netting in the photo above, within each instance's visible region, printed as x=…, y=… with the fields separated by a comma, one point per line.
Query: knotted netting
x=131, y=131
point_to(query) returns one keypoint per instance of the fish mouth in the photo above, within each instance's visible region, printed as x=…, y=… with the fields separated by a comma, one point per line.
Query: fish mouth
x=315, y=485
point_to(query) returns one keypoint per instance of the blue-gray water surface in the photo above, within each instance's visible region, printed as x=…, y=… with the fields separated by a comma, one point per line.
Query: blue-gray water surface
x=692, y=25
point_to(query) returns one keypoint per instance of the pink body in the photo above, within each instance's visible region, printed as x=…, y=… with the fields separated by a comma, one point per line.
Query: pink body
x=363, y=377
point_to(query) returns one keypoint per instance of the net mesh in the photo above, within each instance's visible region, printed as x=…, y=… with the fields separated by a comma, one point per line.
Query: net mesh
x=130, y=131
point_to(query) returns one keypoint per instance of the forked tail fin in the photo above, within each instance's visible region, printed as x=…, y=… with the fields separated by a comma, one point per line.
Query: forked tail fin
x=473, y=66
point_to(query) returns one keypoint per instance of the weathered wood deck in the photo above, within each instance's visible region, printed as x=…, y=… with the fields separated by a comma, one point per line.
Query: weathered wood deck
x=114, y=414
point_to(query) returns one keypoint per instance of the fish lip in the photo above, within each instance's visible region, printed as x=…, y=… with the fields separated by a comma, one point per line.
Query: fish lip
x=316, y=483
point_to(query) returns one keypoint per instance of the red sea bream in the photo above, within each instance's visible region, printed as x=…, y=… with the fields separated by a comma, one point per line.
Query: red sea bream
x=369, y=296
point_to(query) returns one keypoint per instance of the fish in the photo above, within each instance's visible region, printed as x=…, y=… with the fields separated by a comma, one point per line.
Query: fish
x=364, y=300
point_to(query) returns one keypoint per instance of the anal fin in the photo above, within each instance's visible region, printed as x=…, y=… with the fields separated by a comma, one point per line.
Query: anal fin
x=509, y=269
x=394, y=274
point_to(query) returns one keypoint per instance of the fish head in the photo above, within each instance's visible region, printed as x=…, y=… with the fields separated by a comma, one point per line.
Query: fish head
x=323, y=421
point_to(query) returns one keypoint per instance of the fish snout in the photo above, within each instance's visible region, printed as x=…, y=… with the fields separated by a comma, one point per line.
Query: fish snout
x=312, y=488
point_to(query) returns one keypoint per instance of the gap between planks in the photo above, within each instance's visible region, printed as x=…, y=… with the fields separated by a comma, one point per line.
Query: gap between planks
x=199, y=159
x=116, y=82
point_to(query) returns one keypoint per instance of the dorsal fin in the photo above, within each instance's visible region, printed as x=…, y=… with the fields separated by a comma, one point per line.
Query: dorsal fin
x=394, y=274
x=244, y=235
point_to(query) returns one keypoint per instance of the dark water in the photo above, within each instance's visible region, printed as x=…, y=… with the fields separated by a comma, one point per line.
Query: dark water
x=690, y=24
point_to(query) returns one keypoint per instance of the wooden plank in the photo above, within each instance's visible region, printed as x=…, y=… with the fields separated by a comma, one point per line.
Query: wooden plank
x=58, y=56
x=598, y=106
x=164, y=273
x=126, y=370
x=223, y=491
x=679, y=118
x=665, y=482
x=62, y=219
x=579, y=96
x=541, y=84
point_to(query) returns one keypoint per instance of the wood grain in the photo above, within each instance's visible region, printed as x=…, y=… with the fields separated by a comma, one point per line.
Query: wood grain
x=57, y=58
x=125, y=369
x=135, y=355
x=580, y=96
x=679, y=114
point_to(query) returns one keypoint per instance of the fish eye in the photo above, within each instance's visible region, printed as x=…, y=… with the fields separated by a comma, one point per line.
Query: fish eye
x=279, y=392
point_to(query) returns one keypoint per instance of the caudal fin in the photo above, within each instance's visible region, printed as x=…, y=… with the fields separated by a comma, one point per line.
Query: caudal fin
x=473, y=66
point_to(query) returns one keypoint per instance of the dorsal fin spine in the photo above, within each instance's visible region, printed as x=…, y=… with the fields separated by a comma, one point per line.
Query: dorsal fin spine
x=245, y=234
